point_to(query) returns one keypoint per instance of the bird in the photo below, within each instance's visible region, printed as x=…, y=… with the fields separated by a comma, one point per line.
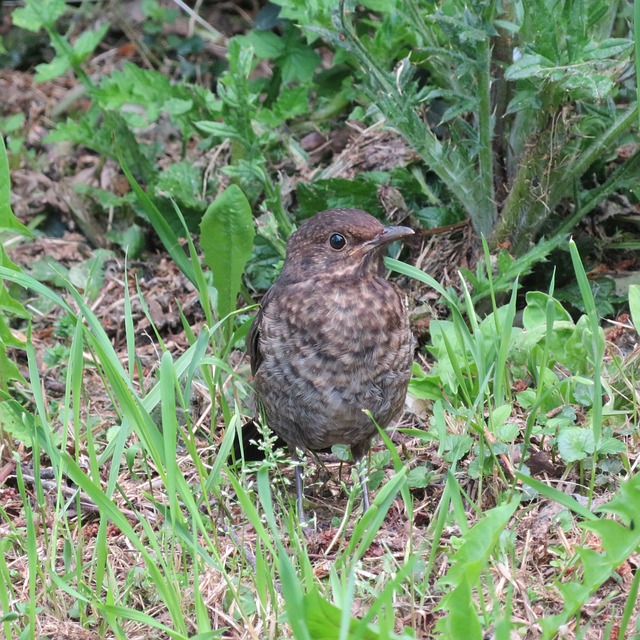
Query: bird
x=331, y=339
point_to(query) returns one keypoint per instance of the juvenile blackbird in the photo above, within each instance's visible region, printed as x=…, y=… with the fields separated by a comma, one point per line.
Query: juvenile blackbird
x=332, y=338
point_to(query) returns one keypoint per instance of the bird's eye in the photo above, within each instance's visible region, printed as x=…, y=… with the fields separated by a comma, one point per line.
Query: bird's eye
x=337, y=241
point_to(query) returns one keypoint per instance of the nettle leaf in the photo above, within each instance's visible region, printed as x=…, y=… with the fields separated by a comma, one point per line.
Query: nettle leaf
x=299, y=64
x=226, y=237
x=38, y=13
x=576, y=443
x=293, y=101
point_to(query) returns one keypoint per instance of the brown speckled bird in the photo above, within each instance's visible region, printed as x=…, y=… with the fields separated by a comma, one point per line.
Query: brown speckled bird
x=332, y=338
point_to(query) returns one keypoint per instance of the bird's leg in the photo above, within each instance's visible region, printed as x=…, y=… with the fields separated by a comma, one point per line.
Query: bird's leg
x=359, y=454
x=362, y=473
x=296, y=459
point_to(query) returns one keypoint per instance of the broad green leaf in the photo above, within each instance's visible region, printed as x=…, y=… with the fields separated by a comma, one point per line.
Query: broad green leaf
x=576, y=443
x=535, y=313
x=38, y=13
x=226, y=237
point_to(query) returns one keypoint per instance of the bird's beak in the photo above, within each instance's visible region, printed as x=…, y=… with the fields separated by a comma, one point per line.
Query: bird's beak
x=389, y=234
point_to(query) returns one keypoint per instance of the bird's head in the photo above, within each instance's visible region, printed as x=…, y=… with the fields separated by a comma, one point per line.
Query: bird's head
x=338, y=243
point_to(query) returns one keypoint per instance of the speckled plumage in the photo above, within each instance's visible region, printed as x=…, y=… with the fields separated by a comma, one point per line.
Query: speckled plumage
x=332, y=336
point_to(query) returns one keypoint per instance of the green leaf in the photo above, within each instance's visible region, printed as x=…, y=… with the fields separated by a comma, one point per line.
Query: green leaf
x=634, y=302
x=299, y=64
x=535, y=313
x=576, y=443
x=162, y=227
x=88, y=41
x=324, y=621
x=419, y=477
x=51, y=70
x=467, y=565
x=14, y=419
x=293, y=598
x=38, y=13
x=182, y=182
x=266, y=44
x=609, y=48
x=529, y=66
x=226, y=237
x=7, y=218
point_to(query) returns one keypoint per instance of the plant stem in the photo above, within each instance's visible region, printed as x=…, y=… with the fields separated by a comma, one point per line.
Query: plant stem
x=487, y=214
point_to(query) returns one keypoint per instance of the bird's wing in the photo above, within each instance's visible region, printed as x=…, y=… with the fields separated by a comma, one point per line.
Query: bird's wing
x=253, y=337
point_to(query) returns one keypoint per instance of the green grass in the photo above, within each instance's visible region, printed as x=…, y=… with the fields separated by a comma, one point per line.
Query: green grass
x=148, y=527
x=505, y=503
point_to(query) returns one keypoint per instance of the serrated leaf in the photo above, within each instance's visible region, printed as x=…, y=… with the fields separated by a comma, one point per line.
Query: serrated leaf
x=51, y=70
x=299, y=64
x=227, y=232
x=181, y=181
x=338, y=192
x=525, y=99
x=38, y=13
x=419, y=477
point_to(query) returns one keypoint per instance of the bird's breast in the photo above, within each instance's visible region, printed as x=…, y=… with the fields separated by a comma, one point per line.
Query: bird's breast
x=329, y=351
